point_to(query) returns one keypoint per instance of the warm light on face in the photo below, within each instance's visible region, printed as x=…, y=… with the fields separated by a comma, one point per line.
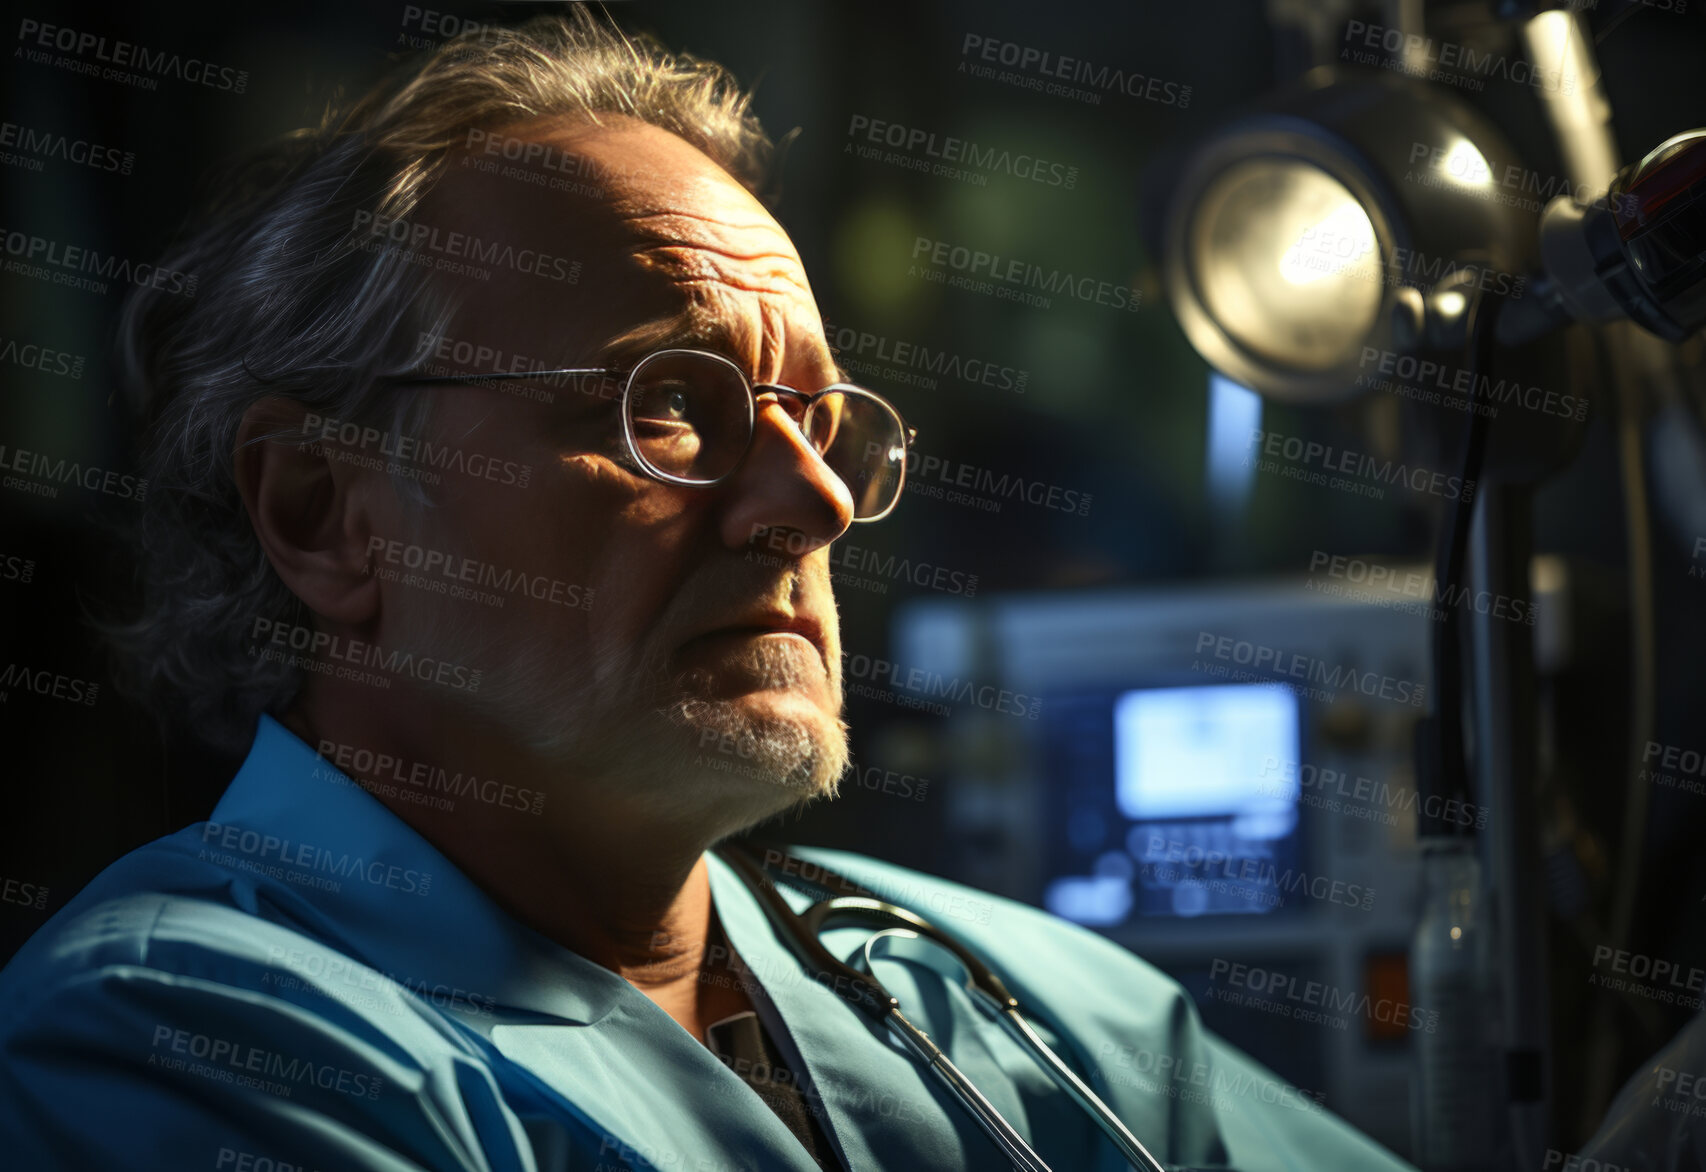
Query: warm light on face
x=1287, y=263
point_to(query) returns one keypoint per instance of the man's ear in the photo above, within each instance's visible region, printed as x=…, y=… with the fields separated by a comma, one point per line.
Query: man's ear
x=310, y=510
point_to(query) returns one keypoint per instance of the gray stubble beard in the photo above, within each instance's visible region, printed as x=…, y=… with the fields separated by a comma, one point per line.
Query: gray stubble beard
x=644, y=735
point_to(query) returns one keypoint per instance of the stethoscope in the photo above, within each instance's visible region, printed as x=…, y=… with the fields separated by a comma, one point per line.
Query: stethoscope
x=905, y=935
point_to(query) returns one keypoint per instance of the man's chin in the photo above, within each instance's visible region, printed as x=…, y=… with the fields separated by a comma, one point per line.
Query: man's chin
x=785, y=743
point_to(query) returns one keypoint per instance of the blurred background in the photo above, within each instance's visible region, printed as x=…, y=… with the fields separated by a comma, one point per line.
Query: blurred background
x=1131, y=648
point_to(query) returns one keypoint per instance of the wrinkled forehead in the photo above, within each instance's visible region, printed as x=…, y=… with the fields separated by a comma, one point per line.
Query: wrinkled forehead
x=567, y=242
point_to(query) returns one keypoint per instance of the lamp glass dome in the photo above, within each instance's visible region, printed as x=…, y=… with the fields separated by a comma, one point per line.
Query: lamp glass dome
x=1286, y=261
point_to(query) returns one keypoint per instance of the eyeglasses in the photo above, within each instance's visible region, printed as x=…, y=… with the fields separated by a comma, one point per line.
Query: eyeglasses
x=688, y=417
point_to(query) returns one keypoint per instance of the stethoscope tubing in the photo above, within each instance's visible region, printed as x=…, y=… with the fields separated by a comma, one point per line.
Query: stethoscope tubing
x=1135, y=1153
x=859, y=987
x=1011, y=1143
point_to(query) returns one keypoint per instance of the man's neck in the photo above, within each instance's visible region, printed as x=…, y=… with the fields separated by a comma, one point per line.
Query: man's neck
x=634, y=899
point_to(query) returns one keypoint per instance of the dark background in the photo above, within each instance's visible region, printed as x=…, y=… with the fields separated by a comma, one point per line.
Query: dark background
x=1116, y=404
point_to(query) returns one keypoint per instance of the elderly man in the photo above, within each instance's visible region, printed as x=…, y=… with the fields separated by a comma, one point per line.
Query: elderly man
x=496, y=465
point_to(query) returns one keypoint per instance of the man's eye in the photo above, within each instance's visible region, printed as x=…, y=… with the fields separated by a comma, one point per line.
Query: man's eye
x=665, y=403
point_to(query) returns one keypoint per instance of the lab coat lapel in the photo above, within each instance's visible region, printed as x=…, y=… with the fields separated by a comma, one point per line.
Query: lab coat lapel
x=880, y=1105
x=655, y=1094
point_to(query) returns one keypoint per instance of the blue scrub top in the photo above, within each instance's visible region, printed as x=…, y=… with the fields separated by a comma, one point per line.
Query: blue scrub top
x=304, y=983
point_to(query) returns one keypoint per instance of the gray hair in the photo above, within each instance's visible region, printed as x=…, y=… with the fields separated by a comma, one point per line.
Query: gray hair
x=293, y=303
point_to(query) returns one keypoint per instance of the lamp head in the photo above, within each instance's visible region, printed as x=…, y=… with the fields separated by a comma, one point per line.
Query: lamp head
x=1319, y=223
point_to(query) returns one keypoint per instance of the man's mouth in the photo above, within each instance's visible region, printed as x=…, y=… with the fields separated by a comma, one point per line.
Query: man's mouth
x=776, y=625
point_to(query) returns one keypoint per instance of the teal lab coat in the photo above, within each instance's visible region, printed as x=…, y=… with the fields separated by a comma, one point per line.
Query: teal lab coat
x=304, y=983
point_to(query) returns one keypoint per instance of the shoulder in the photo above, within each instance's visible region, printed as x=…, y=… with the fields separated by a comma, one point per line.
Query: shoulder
x=167, y=923
x=158, y=909
x=111, y=922
x=169, y=1006
x=160, y=941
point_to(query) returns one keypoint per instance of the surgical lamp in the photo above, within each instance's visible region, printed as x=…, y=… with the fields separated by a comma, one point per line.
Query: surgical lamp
x=1350, y=213
x=1300, y=233
x=1362, y=215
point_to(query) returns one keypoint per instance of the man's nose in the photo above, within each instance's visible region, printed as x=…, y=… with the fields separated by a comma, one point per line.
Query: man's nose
x=784, y=484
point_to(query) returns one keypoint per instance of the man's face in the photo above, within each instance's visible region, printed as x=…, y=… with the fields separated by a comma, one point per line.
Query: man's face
x=650, y=671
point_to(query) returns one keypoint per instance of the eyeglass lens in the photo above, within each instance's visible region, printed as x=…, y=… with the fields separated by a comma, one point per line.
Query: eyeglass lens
x=691, y=417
